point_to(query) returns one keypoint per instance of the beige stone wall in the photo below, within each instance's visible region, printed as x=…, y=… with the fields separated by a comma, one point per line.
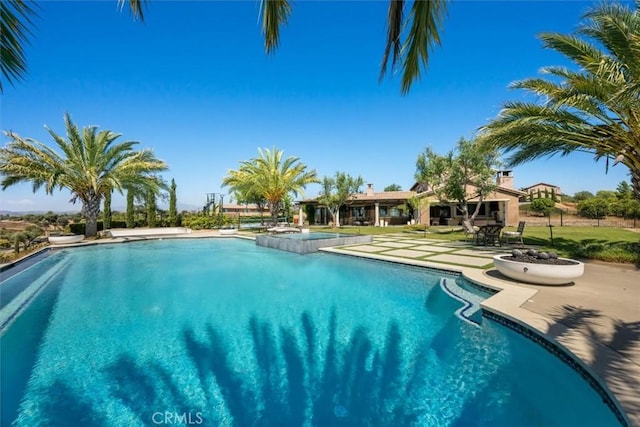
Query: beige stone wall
x=509, y=209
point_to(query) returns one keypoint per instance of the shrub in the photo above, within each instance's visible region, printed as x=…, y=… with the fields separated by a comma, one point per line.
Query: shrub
x=624, y=252
x=595, y=207
x=203, y=221
x=543, y=206
x=80, y=227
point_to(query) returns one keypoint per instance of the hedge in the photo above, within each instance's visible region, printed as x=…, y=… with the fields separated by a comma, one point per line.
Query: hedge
x=80, y=227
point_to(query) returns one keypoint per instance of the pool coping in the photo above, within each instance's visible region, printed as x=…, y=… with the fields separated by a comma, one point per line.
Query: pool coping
x=506, y=303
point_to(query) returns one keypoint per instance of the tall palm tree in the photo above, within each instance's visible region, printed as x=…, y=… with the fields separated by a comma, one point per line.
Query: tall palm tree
x=421, y=29
x=595, y=109
x=90, y=165
x=270, y=176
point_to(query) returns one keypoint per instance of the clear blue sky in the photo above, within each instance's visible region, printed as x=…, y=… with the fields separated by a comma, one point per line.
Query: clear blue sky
x=193, y=83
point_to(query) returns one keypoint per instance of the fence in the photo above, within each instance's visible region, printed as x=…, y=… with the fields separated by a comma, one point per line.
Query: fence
x=572, y=220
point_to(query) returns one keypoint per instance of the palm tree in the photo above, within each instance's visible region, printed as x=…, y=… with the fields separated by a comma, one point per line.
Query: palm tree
x=91, y=164
x=421, y=28
x=595, y=109
x=270, y=177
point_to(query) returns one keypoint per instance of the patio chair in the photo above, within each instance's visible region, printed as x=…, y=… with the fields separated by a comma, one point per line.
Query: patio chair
x=506, y=235
x=489, y=234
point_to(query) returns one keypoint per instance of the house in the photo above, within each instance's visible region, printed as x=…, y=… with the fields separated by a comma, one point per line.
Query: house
x=368, y=208
x=544, y=189
x=500, y=206
x=395, y=207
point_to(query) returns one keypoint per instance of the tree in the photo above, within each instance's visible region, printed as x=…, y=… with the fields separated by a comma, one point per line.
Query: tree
x=91, y=164
x=131, y=214
x=150, y=203
x=624, y=190
x=416, y=203
x=582, y=195
x=608, y=196
x=173, y=201
x=249, y=195
x=553, y=195
x=337, y=191
x=410, y=36
x=393, y=187
x=106, y=214
x=271, y=177
x=463, y=174
x=596, y=208
x=542, y=205
x=594, y=109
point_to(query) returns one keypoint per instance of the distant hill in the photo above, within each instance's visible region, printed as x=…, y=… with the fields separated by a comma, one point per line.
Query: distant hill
x=22, y=213
x=181, y=207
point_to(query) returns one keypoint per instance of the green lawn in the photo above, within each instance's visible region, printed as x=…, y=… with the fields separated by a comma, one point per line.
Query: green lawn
x=598, y=243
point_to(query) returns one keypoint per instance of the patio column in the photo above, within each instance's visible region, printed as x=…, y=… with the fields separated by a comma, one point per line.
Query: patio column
x=377, y=223
x=300, y=219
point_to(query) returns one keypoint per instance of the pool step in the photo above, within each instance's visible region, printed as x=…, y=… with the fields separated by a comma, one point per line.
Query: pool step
x=470, y=300
x=10, y=311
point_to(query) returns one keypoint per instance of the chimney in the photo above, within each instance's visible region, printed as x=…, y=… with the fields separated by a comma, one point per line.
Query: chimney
x=504, y=179
x=369, y=189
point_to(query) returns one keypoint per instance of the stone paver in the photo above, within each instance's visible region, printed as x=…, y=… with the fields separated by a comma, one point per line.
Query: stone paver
x=394, y=244
x=422, y=241
x=460, y=259
x=365, y=248
x=407, y=253
x=471, y=252
x=432, y=248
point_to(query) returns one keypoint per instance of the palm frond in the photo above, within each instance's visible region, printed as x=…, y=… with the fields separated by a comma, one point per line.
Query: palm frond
x=426, y=20
x=135, y=6
x=394, y=28
x=595, y=109
x=275, y=13
x=577, y=50
x=16, y=24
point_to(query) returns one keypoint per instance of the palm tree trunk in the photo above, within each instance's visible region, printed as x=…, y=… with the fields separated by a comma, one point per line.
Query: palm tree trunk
x=106, y=214
x=273, y=208
x=90, y=211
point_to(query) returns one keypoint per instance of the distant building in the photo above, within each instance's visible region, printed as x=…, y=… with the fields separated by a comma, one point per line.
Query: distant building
x=544, y=189
x=243, y=210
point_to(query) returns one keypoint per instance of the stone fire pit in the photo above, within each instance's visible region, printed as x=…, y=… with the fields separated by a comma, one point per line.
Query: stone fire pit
x=542, y=268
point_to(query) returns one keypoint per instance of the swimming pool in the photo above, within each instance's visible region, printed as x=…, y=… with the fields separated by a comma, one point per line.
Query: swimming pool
x=223, y=332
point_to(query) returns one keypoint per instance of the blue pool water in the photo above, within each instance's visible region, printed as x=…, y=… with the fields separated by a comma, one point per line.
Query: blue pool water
x=222, y=332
